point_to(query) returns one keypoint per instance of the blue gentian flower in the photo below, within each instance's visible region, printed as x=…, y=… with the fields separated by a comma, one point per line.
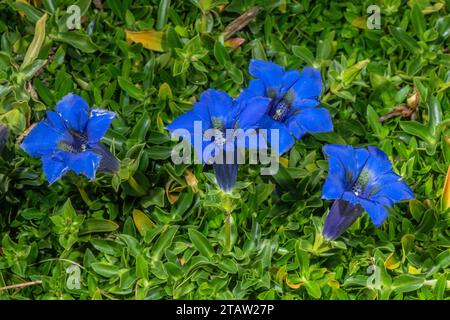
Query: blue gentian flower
x=294, y=98
x=216, y=112
x=69, y=139
x=359, y=179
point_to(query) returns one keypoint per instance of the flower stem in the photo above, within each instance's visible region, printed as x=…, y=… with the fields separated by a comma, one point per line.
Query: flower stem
x=227, y=205
x=227, y=231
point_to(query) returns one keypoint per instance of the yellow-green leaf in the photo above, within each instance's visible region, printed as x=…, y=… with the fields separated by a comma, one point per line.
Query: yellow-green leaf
x=142, y=222
x=164, y=92
x=36, y=44
x=446, y=192
x=150, y=39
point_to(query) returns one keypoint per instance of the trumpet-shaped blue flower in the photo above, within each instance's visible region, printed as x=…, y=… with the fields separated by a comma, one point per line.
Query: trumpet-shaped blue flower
x=359, y=179
x=69, y=139
x=207, y=126
x=294, y=98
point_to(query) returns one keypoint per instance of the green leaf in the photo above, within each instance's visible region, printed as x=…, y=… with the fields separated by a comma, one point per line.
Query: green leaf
x=405, y=39
x=105, y=269
x=32, y=14
x=221, y=53
x=163, y=8
x=304, y=53
x=164, y=241
x=131, y=89
x=435, y=114
x=373, y=119
x=419, y=130
x=313, y=289
x=418, y=20
x=140, y=130
x=407, y=283
x=78, y=40
x=30, y=70
x=201, y=243
x=93, y=225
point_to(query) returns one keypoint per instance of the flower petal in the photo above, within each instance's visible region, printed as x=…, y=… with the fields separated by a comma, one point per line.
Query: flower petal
x=42, y=140
x=56, y=122
x=219, y=104
x=74, y=110
x=85, y=163
x=255, y=88
x=394, y=191
x=98, y=124
x=186, y=121
x=226, y=175
x=313, y=121
x=345, y=164
x=377, y=211
x=290, y=77
x=301, y=104
x=283, y=140
x=109, y=163
x=378, y=162
x=252, y=111
x=54, y=168
x=269, y=73
x=383, y=181
x=309, y=85
x=341, y=216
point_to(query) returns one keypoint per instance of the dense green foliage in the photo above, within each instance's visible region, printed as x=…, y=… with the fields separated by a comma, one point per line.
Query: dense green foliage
x=155, y=230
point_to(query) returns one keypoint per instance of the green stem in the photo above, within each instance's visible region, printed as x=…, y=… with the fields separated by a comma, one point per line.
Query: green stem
x=227, y=231
x=227, y=205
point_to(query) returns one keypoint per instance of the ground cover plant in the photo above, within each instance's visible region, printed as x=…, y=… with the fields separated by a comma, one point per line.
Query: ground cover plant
x=93, y=207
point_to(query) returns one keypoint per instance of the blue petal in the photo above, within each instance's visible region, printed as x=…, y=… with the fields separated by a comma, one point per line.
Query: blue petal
x=219, y=105
x=383, y=182
x=85, y=163
x=300, y=104
x=269, y=73
x=335, y=184
x=346, y=157
x=56, y=122
x=186, y=121
x=74, y=110
x=98, y=124
x=350, y=197
x=290, y=77
x=378, y=163
x=308, y=86
x=54, y=168
x=226, y=175
x=42, y=140
x=313, y=120
x=285, y=140
x=255, y=88
x=341, y=216
x=109, y=162
x=394, y=191
x=201, y=110
x=377, y=211
x=295, y=128
x=252, y=111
